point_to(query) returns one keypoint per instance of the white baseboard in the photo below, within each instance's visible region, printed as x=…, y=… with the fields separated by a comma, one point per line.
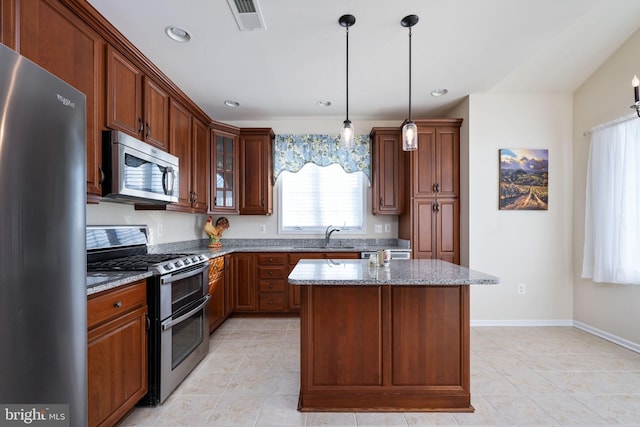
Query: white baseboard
x=561, y=322
x=514, y=322
x=607, y=336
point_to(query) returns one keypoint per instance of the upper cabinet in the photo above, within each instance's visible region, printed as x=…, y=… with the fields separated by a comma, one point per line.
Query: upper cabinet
x=181, y=146
x=435, y=165
x=256, y=159
x=55, y=38
x=223, y=180
x=135, y=103
x=388, y=180
x=200, y=166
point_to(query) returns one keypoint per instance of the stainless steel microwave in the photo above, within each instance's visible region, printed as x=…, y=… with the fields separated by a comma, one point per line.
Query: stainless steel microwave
x=136, y=172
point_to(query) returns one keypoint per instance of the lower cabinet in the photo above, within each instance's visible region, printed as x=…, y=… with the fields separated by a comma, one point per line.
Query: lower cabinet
x=117, y=352
x=271, y=274
x=217, y=303
x=260, y=280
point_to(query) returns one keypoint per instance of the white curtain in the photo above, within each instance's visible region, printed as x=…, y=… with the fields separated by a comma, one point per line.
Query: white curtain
x=612, y=214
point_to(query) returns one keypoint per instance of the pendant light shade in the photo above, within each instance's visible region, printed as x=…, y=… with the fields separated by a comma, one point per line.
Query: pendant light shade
x=347, y=134
x=409, y=130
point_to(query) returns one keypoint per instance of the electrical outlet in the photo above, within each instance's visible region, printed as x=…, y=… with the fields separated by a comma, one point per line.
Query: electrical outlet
x=522, y=288
x=378, y=228
x=387, y=228
x=263, y=228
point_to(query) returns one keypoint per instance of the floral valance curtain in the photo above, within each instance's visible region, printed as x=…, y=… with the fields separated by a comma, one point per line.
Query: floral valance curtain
x=292, y=152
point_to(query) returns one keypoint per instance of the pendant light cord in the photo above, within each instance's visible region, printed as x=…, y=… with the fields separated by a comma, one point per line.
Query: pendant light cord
x=409, y=73
x=347, y=73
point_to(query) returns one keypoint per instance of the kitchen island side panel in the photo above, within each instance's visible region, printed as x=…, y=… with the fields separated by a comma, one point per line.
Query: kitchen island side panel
x=385, y=348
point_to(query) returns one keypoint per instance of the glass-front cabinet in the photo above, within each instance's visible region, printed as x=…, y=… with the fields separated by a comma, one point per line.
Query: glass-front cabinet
x=224, y=173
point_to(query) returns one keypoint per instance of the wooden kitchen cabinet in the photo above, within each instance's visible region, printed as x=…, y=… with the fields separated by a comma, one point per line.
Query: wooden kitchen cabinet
x=52, y=36
x=117, y=352
x=224, y=162
x=199, y=166
x=135, y=103
x=436, y=229
x=256, y=184
x=244, y=294
x=293, y=258
x=431, y=220
x=271, y=274
x=217, y=291
x=181, y=146
x=388, y=191
x=229, y=285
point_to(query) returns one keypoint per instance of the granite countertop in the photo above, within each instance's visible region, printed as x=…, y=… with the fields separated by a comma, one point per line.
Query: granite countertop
x=105, y=280
x=398, y=272
x=99, y=281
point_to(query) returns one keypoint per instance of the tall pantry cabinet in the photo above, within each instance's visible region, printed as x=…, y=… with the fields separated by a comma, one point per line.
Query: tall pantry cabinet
x=431, y=218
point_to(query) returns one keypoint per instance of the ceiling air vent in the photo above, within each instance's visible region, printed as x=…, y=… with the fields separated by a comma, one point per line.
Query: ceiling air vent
x=247, y=14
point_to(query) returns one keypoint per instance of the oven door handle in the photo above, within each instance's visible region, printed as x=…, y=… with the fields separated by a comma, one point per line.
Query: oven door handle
x=172, y=278
x=169, y=323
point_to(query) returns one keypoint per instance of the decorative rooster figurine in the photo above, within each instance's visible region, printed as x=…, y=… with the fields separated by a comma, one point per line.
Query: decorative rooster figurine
x=215, y=231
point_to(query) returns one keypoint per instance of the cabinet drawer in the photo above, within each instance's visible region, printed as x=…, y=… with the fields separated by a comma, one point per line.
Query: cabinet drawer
x=271, y=286
x=109, y=304
x=272, y=272
x=271, y=259
x=271, y=302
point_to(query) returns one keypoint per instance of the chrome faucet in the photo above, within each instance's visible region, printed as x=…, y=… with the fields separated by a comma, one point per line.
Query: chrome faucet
x=327, y=234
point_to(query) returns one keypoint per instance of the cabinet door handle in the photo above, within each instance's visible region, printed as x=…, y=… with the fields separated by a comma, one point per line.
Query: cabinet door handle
x=101, y=175
x=140, y=126
x=270, y=286
x=262, y=202
x=117, y=304
x=435, y=207
x=270, y=273
x=215, y=201
x=148, y=131
x=380, y=202
x=436, y=187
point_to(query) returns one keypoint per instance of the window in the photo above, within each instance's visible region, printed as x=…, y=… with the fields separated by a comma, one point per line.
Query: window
x=316, y=197
x=612, y=228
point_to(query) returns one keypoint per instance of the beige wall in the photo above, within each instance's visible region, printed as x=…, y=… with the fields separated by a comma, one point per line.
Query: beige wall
x=608, y=309
x=530, y=247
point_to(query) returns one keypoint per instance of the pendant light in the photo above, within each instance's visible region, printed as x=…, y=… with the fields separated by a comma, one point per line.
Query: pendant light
x=409, y=130
x=348, y=133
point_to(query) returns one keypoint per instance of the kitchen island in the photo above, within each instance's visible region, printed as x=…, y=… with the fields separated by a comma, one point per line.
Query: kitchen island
x=392, y=338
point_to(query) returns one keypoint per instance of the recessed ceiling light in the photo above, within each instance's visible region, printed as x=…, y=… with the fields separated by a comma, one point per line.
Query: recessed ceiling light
x=324, y=103
x=178, y=34
x=439, y=92
x=230, y=103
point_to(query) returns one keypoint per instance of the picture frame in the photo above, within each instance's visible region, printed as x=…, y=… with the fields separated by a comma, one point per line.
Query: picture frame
x=524, y=179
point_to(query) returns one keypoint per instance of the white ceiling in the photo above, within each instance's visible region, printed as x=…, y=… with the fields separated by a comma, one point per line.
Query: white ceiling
x=466, y=46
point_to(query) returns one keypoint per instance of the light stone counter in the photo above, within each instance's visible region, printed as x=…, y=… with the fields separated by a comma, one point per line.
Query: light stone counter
x=105, y=280
x=399, y=272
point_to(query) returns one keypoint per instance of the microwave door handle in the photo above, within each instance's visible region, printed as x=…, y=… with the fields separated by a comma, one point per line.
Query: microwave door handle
x=169, y=323
x=168, y=180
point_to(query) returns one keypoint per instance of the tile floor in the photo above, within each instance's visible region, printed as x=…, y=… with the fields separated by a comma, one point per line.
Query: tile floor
x=526, y=376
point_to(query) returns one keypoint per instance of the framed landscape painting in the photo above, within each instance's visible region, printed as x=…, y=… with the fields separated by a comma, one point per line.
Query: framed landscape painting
x=524, y=179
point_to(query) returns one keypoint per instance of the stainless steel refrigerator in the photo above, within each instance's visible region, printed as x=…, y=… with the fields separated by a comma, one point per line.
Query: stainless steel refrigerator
x=43, y=314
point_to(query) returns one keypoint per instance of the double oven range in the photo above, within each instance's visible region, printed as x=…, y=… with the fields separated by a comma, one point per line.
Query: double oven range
x=177, y=297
